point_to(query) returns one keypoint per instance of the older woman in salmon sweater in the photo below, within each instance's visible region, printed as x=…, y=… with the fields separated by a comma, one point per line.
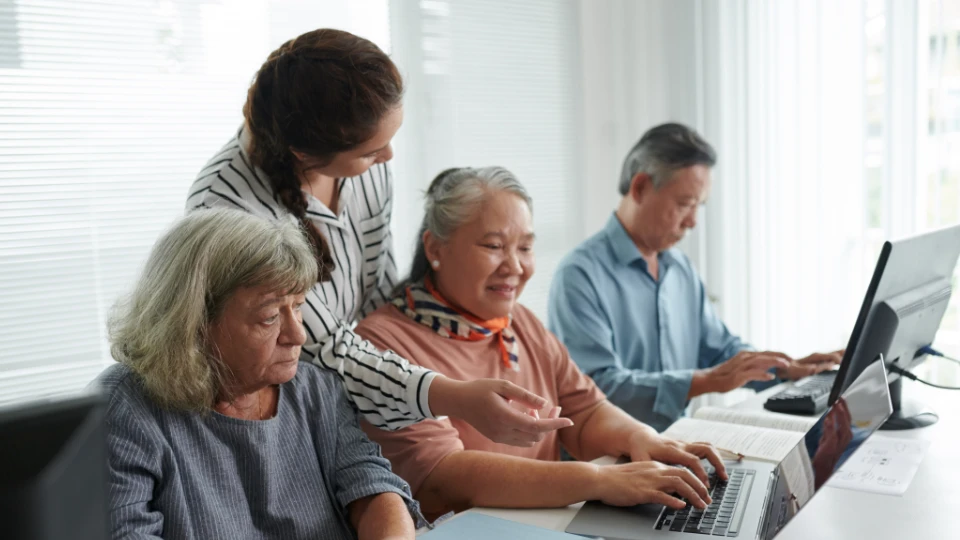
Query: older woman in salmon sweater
x=458, y=314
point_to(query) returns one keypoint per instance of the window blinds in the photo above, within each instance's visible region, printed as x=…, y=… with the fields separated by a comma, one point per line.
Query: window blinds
x=108, y=108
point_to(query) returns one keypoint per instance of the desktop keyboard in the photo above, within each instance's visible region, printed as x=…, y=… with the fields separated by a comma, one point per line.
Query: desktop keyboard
x=721, y=518
x=807, y=396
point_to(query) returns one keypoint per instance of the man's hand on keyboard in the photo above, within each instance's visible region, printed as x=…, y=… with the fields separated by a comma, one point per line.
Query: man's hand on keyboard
x=745, y=367
x=810, y=365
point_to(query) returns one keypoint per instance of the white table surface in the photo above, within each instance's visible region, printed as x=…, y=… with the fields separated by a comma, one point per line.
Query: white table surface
x=930, y=509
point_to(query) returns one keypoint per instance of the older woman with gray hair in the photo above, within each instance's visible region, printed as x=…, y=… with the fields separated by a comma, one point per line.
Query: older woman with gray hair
x=215, y=429
x=458, y=313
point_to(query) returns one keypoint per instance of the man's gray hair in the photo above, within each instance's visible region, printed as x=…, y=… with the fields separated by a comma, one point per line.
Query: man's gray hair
x=453, y=199
x=664, y=149
x=161, y=330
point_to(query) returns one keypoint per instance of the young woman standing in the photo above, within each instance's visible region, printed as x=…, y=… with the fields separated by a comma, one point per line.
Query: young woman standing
x=319, y=118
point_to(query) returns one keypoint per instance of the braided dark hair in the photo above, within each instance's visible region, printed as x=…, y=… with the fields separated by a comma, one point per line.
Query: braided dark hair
x=321, y=93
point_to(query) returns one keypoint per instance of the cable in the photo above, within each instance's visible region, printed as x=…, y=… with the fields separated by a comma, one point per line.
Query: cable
x=933, y=352
x=945, y=357
x=904, y=373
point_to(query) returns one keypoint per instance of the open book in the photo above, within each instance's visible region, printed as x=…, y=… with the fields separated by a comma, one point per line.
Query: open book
x=761, y=435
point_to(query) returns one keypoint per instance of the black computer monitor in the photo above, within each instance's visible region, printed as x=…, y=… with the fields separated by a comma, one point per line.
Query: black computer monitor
x=53, y=470
x=901, y=313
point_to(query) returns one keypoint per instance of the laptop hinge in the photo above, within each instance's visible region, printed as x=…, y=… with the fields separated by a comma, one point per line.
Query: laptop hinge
x=767, y=501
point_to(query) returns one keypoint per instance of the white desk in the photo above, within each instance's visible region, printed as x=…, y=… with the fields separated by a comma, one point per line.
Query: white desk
x=926, y=511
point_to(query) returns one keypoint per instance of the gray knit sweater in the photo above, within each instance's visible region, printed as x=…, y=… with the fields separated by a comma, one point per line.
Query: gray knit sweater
x=179, y=475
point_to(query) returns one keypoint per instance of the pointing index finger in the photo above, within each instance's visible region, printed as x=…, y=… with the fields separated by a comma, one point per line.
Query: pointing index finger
x=527, y=424
x=546, y=425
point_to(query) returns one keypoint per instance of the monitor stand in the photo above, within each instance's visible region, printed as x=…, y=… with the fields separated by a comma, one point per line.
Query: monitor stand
x=907, y=414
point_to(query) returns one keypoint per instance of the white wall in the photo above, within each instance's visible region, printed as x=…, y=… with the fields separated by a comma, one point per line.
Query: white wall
x=492, y=82
x=640, y=68
x=643, y=64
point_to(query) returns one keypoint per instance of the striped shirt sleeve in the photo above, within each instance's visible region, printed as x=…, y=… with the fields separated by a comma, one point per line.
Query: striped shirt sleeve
x=385, y=388
x=210, y=199
x=232, y=188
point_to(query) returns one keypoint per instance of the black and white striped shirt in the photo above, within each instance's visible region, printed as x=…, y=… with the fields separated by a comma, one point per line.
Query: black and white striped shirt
x=386, y=389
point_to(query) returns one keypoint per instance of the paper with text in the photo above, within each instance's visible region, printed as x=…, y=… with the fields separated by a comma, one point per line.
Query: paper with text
x=753, y=442
x=883, y=465
x=757, y=418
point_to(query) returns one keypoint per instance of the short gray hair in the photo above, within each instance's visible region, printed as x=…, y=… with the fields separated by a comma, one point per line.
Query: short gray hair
x=664, y=149
x=160, y=329
x=453, y=199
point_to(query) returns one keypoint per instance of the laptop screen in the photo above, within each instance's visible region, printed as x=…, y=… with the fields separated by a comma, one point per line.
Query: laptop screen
x=859, y=411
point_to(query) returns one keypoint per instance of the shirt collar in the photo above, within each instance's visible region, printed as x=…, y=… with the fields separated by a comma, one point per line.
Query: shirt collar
x=320, y=212
x=625, y=251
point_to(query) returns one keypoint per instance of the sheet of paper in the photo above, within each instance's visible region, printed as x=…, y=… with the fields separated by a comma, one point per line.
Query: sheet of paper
x=757, y=418
x=883, y=465
x=754, y=442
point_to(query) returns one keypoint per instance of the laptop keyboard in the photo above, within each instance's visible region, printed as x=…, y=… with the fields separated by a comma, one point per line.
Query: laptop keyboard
x=722, y=517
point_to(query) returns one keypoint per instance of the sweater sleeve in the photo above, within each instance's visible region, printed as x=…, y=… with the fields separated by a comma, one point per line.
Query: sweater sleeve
x=134, y=473
x=361, y=470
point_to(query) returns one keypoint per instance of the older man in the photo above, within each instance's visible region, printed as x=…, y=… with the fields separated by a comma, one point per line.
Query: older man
x=631, y=308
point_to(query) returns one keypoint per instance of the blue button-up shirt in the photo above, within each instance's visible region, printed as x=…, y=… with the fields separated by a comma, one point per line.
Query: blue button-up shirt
x=639, y=338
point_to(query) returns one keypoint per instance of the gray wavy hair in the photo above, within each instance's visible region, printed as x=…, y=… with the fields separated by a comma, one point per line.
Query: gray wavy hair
x=452, y=199
x=662, y=150
x=160, y=329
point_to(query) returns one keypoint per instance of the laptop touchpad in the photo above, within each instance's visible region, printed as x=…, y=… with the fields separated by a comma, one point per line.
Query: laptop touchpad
x=611, y=522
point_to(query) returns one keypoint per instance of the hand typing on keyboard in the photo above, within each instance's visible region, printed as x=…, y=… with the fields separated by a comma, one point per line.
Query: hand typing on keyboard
x=629, y=484
x=651, y=446
x=810, y=365
x=745, y=367
x=717, y=519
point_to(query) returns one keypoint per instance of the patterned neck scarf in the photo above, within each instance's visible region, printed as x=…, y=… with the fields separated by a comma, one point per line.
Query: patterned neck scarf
x=423, y=304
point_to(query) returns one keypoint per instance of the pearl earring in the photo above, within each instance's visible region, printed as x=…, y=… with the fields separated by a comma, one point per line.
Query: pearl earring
x=436, y=264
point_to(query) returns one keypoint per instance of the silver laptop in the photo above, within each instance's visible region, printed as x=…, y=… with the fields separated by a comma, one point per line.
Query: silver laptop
x=758, y=499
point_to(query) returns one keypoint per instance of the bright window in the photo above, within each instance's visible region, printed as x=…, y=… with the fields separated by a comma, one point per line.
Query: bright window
x=939, y=160
x=108, y=108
